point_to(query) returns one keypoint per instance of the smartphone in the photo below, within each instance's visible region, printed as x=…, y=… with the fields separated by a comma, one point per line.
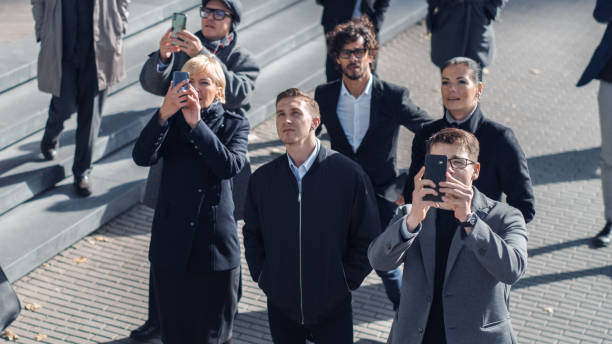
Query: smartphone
x=435, y=170
x=178, y=77
x=179, y=23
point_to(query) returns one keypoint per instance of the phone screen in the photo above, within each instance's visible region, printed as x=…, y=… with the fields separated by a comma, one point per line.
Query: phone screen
x=179, y=23
x=435, y=170
x=178, y=77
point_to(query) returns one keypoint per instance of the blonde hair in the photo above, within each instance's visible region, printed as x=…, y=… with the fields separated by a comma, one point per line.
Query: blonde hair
x=207, y=66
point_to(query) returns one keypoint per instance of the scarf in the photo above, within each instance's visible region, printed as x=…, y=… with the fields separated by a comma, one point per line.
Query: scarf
x=214, y=46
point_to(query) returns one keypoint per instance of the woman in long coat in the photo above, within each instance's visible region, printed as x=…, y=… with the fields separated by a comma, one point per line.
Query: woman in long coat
x=462, y=28
x=194, y=251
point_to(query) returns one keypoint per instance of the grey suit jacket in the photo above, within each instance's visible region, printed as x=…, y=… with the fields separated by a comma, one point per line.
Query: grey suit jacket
x=480, y=270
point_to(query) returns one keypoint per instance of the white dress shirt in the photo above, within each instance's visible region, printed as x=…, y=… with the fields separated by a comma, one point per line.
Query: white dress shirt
x=354, y=114
x=357, y=9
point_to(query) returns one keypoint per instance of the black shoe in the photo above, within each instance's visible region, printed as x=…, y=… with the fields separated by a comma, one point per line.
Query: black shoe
x=149, y=330
x=602, y=239
x=82, y=186
x=49, y=152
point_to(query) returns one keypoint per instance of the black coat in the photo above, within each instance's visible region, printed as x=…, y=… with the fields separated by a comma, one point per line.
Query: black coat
x=325, y=248
x=503, y=166
x=193, y=223
x=377, y=155
x=603, y=53
x=340, y=11
x=462, y=28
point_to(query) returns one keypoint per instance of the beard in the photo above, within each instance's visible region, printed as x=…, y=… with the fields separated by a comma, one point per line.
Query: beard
x=345, y=72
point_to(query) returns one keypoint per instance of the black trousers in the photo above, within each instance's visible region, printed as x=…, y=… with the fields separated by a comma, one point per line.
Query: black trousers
x=337, y=328
x=196, y=307
x=79, y=92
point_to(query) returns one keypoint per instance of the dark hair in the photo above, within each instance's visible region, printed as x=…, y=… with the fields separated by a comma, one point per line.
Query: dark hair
x=472, y=65
x=452, y=136
x=296, y=92
x=349, y=32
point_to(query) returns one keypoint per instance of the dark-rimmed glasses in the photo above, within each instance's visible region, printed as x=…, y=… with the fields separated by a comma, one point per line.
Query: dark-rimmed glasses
x=346, y=53
x=218, y=14
x=460, y=163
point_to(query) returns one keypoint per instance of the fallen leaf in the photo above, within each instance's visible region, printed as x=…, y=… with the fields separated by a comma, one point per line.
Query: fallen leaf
x=80, y=260
x=101, y=238
x=45, y=265
x=40, y=337
x=10, y=335
x=535, y=71
x=549, y=310
x=32, y=307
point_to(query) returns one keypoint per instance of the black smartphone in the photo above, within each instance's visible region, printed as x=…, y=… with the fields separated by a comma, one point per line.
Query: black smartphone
x=435, y=170
x=179, y=23
x=178, y=77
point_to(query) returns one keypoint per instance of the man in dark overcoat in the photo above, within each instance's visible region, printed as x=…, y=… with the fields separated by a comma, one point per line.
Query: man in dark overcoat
x=462, y=28
x=600, y=67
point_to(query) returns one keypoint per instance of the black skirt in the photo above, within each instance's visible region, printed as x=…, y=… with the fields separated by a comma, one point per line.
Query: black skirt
x=196, y=307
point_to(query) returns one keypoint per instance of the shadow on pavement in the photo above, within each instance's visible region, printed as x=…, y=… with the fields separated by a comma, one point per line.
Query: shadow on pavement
x=565, y=167
x=558, y=277
x=128, y=340
x=551, y=248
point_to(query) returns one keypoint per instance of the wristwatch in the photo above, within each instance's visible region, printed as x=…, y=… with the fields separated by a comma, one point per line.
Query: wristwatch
x=470, y=221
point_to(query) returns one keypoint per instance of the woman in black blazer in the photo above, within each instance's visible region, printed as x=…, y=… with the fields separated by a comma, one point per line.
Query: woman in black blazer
x=194, y=251
x=504, y=165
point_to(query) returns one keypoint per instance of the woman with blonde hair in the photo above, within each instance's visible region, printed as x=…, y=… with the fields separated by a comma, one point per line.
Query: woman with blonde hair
x=194, y=250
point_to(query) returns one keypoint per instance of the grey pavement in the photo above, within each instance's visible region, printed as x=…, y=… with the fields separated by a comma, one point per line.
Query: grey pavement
x=96, y=291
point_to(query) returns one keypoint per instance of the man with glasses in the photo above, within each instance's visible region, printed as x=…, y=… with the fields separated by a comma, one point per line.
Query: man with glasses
x=362, y=115
x=218, y=37
x=460, y=256
x=340, y=11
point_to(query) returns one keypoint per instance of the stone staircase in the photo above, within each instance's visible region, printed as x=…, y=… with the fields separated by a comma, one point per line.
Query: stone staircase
x=39, y=213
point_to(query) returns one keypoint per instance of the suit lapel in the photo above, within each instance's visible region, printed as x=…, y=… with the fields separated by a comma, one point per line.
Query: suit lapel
x=427, y=240
x=374, y=103
x=481, y=208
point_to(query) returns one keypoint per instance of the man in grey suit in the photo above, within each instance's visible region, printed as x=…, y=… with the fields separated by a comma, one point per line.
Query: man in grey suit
x=460, y=256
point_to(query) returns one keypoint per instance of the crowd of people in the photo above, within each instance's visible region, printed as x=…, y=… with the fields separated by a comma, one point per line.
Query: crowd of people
x=316, y=220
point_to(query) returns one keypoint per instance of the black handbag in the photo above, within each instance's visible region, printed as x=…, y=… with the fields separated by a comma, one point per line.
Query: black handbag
x=9, y=303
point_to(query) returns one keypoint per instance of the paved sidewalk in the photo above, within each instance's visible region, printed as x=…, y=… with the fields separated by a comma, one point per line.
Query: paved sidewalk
x=96, y=291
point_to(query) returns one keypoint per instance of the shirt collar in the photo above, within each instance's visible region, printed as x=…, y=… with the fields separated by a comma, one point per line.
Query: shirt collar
x=451, y=120
x=303, y=169
x=345, y=92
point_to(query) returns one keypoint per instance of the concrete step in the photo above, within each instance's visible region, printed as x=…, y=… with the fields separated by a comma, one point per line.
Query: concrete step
x=40, y=228
x=267, y=43
x=116, y=185
x=24, y=173
x=19, y=66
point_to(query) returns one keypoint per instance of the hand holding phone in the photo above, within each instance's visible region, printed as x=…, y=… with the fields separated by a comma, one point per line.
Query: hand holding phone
x=178, y=77
x=435, y=170
x=179, y=23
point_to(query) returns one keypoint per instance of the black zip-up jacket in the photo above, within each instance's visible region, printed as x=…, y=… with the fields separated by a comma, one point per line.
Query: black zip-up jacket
x=308, y=251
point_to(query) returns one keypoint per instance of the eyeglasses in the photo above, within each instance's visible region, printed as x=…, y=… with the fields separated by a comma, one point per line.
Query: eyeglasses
x=460, y=163
x=218, y=14
x=346, y=53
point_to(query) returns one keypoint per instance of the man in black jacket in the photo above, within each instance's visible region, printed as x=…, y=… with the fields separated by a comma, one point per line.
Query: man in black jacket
x=340, y=11
x=309, y=218
x=362, y=115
